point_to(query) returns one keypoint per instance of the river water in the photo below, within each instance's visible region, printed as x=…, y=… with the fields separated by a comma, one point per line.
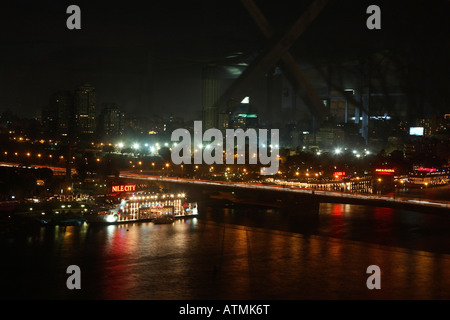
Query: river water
x=237, y=253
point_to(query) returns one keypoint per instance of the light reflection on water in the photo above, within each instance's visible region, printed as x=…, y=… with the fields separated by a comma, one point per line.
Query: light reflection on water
x=237, y=253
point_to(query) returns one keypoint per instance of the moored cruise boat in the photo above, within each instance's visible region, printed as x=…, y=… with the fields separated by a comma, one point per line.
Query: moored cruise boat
x=142, y=206
x=428, y=177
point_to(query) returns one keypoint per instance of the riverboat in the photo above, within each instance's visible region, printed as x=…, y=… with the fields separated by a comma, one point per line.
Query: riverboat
x=142, y=206
x=428, y=177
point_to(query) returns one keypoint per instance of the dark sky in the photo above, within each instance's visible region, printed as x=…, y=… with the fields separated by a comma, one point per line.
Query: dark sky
x=146, y=56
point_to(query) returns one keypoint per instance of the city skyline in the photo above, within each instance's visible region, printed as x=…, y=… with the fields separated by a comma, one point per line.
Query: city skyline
x=225, y=150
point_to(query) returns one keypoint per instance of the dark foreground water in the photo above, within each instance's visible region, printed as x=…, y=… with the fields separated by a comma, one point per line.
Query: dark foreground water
x=237, y=253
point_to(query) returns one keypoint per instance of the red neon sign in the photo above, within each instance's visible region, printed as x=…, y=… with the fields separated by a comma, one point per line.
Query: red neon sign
x=339, y=174
x=426, y=169
x=384, y=171
x=125, y=187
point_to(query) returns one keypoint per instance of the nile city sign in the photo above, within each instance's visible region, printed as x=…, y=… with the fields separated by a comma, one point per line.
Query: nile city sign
x=123, y=187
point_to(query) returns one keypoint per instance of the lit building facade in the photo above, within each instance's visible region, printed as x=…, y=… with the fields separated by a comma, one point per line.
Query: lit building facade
x=85, y=108
x=112, y=120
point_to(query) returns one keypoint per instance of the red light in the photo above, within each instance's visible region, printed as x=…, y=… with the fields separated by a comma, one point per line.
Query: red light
x=126, y=187
x=427, y=169
x=384, y=171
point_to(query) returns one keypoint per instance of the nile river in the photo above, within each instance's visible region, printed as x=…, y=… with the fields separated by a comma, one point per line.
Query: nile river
x=237, y=253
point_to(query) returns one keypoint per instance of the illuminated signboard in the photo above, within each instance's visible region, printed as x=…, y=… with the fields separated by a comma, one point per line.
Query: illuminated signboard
x=125, y=187
x=384, y=171
x=246, y=115
x=427, y=169
x=416, y=131
x=339, y=174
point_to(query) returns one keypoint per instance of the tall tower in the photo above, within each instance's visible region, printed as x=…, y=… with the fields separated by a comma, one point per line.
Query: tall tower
x=112, y=120
x=210, y=95
x=62, y=103
x=85, y=102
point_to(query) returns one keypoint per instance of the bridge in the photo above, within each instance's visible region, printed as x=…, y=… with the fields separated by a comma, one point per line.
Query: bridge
x=285, y=196
x=275, y=195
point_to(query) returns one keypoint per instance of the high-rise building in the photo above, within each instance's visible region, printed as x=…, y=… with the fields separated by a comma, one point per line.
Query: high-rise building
x=65, y=107
x=58, y=116
x=85, y=103
x=112, y=120
x=210, y=95
x=223, y=122
x=244, y=116
x=49, y=119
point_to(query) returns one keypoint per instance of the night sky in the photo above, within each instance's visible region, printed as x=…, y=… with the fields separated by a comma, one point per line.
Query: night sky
x=146, y=56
